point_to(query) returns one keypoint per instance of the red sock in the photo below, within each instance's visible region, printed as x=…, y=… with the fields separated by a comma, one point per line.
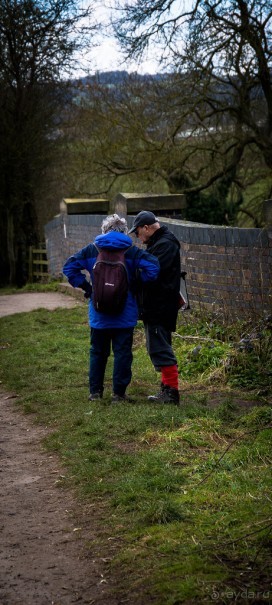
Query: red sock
x=170, y=376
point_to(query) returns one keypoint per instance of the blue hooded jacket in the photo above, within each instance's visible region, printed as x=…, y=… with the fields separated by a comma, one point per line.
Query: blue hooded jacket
x=138, y=262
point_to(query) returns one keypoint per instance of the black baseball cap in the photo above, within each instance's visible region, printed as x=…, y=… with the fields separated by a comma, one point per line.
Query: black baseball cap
x=143, y=218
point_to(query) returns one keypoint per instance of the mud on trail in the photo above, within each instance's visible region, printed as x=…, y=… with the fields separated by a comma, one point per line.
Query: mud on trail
x=48, y=544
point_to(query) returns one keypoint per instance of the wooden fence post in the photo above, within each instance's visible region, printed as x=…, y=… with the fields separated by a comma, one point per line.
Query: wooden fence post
x=30, y=264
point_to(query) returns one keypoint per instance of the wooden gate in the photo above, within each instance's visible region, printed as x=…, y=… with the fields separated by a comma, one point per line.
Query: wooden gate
x=38, y=263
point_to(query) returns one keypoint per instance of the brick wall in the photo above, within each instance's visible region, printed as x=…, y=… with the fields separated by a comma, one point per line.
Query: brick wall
x=228, y=268
x=66, y=234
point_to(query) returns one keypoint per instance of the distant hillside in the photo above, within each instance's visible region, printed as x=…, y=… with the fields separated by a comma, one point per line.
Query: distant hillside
x=106, y=78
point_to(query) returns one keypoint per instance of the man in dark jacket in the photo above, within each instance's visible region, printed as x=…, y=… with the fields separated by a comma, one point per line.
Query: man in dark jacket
x=107, y=329
x=159, y=302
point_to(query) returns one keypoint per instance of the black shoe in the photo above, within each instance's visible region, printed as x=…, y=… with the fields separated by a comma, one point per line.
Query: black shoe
x=166, y=395
x=116, y=398
x=94, y=396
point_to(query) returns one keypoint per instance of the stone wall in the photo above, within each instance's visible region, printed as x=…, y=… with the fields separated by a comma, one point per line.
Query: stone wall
x=228, y=268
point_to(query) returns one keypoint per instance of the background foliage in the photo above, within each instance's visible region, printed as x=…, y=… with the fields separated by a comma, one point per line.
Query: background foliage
x=202, y=126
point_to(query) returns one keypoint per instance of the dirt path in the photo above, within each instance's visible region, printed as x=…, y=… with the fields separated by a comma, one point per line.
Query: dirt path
x=28, y=301
x=49, y=545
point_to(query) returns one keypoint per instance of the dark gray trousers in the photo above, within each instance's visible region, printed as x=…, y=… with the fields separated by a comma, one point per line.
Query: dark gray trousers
x=159, y=346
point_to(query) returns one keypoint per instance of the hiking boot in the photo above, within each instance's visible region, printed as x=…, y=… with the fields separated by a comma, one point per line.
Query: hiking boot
x=116, y=398
x=94, y=396
x=159, y=396
x=166, y=395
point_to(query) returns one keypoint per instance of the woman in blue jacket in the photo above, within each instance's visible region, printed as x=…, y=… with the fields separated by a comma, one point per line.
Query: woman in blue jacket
x=115, y=330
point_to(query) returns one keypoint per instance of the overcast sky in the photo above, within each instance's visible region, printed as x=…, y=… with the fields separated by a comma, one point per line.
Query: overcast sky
x=106, y=56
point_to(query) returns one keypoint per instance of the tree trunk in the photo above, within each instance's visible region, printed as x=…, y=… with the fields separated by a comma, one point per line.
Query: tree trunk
x=22, y=232
x=10, y=247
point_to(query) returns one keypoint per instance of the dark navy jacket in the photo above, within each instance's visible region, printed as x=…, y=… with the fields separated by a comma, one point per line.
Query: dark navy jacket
x=138, y=262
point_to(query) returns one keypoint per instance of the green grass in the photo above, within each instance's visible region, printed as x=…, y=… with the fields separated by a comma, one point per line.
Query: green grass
x=186, y=490
x=48, y=284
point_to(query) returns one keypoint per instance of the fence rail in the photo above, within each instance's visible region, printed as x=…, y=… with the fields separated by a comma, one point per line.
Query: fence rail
x=37, y=263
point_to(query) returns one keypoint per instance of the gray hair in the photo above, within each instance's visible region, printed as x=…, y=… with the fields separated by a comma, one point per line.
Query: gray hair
x=114, y=223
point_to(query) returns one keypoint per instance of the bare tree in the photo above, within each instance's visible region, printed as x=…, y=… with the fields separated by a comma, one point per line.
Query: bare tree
x=221, y=54
x=38, y=40
x=119, y=135
x=140, y=134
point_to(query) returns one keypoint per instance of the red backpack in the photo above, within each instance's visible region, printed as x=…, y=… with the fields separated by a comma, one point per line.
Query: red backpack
x=110, y=281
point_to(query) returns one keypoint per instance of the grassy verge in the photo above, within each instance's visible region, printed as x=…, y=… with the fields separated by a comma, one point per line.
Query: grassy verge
x=49, y=285
x=186, y=490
